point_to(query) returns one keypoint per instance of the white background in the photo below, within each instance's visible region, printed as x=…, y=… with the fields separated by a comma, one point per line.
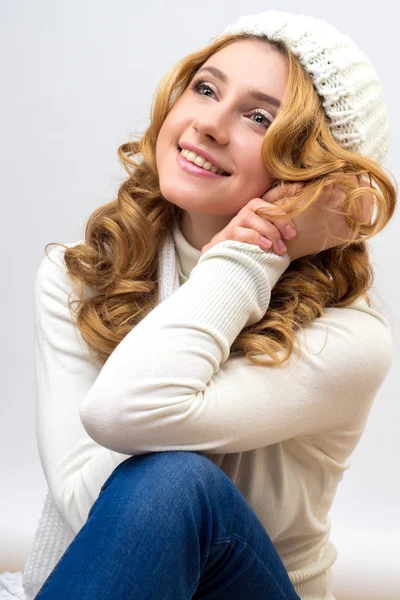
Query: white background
x=77, y=80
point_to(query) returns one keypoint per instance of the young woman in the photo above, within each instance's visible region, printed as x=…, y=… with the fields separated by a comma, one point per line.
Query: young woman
x=199, y=405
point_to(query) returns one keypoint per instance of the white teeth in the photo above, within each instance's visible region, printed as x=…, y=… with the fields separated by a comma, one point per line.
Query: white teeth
x=200, y=161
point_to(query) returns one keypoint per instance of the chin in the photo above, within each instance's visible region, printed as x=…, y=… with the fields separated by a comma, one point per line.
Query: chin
x=185, y=199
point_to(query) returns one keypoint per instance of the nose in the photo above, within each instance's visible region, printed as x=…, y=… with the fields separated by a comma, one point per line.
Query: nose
x=212, y=124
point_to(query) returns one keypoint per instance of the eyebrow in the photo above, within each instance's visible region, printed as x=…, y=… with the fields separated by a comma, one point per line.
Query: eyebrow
x=256, y=94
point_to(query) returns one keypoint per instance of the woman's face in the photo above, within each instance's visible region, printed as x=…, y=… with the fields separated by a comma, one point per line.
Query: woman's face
x=221, y=118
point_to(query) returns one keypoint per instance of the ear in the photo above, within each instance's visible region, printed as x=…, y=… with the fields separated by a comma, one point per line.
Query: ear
x=271, y=185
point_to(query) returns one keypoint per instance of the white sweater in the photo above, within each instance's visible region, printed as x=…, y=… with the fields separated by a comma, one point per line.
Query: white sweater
x=284, y=436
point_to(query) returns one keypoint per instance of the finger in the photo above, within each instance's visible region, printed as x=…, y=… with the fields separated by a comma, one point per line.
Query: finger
x=270, y=231
x=249, y=236
x=335, y=195
x=285, y=225
x=281, y=191
x=364, y=209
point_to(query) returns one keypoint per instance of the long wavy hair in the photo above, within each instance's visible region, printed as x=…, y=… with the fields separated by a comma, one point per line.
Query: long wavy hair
x=119, y=254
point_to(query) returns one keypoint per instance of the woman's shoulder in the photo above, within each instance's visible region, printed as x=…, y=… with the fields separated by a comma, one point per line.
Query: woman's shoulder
x=364, y=310
x=55, y=253
x=52, y=273
x=359, y=333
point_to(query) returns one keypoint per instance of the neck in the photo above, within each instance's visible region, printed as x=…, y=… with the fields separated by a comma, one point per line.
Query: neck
x=199, y=229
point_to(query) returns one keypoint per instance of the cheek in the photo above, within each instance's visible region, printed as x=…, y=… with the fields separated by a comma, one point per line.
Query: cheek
x=253, y=173
x=163, y=140
x=168, y=136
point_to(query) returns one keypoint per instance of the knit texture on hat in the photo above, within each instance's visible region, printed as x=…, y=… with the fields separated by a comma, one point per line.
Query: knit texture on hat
x=343, y=76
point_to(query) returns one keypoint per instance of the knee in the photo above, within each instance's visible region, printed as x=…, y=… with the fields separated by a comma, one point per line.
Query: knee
x=164, y=484
x=172, y=466
x=170, y=472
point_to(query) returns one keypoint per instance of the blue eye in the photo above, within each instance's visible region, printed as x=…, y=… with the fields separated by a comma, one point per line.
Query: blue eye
x=258, y=112
x=199, y=86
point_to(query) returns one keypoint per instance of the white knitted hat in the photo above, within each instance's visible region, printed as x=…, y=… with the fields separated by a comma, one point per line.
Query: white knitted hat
x=343, y=76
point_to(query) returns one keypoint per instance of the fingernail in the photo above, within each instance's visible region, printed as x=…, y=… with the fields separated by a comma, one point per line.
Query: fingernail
x=281, y=246
x=290, y=231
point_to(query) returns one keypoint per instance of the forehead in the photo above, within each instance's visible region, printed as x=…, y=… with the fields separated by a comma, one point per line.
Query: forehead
x=252, y=64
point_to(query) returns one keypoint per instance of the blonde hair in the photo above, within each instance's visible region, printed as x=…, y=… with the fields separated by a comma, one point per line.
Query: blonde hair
x=119, y=255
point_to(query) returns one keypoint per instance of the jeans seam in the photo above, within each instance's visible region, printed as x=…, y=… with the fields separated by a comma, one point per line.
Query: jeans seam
x=240, y=539
x=193, y=589
x=218, y=541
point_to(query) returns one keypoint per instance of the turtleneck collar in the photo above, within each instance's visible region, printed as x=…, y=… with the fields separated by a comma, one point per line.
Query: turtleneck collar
x=187, y=257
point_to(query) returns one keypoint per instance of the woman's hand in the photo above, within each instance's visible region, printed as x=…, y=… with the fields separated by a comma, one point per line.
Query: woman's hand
x=314, y=231
x=319, y=228
x=250, y=228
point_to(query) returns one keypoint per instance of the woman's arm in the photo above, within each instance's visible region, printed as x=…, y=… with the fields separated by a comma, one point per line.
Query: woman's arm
x=169, y=386
x=74, y=465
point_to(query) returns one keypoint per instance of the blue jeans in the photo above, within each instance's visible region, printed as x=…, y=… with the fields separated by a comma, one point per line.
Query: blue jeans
x=170, y=526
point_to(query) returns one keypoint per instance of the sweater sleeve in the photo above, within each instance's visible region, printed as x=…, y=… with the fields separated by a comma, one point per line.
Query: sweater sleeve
x=169, y=386
x=74, y=465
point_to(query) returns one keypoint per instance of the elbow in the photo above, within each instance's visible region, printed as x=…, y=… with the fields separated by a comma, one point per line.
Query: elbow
x=97, y=421
x=103, y=423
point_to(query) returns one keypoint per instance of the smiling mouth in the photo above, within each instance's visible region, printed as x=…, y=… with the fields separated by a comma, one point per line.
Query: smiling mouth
x=224, y=174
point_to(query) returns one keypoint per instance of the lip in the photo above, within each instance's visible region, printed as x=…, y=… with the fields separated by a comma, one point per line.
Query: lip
x=207, y=155
x=193, y=169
